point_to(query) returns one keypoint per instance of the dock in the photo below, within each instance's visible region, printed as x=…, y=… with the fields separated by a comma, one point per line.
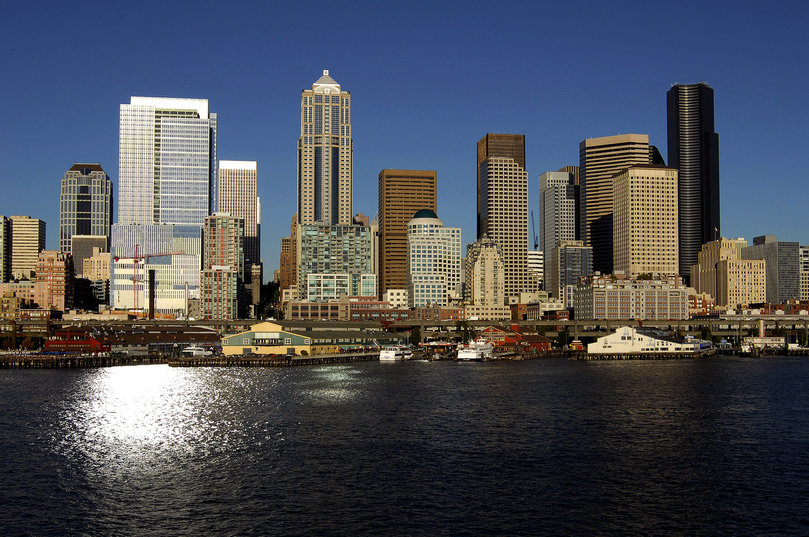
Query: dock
x=254, y=360
x=40, y=361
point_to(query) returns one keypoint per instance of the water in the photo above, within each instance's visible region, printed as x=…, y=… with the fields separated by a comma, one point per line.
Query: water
x=709, y=447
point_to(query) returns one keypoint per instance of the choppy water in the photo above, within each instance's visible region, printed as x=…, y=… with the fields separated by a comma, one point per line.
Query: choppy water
x=716, y=447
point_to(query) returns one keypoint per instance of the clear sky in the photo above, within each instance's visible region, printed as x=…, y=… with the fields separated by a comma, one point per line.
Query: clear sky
x=427, y=80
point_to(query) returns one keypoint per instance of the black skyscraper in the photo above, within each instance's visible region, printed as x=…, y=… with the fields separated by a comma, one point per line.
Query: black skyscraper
x=694, y=151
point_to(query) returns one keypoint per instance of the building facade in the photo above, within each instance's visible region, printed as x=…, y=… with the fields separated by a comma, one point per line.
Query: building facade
x=568, y=262
x=325, y=249
x=693, y=149
x=85, y=204
x=644, y=221
x=613, y=297
x=484, y=281
x=401, y=194
x=325, y=154
x=433, y=261
x=599, y=160
x=502, y=205
x=723, y=274
x=223, y=266
x=53, y=288
x=167, y=186
x=85, y=246
x=557, y=209
x=5, y=249
x=238, y=183
x=782, y=265
x=27, y=240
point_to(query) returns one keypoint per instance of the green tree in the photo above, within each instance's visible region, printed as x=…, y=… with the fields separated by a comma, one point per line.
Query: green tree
x=415, y=335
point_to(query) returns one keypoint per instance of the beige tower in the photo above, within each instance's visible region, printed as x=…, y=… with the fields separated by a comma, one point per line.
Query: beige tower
x=27, y=240
x=484, y=288
x=645, y=221
x=402, y=193
x=503, y=205
x=325, y=151
x=599, y=160
x=722, y=273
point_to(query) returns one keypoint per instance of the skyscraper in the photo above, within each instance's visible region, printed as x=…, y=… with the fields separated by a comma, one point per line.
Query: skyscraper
x=222, y=265
x=433, y=261
x=557, y=211
x=325, y=150
x=401, y=194
x=645, y=221
x=502, y=205
x=599, y=160
x=85, y=204
x=694, y=152
x=27, y=240
x=167, y=167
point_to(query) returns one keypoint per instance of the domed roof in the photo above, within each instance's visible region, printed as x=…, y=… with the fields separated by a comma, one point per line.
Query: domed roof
x=425, y=213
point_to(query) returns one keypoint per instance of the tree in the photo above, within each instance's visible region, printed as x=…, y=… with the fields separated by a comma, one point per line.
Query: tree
x=415, y=335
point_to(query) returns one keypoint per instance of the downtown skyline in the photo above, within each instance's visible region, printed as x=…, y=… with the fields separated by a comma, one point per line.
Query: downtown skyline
x=419, y=105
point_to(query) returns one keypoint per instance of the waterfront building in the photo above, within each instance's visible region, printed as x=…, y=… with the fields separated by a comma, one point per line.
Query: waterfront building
x=645, y=221
x=599, y=160
x=614, y=297
x=568, y=262
x=53, y=288
x=27, y=240
x=629, y=340
x=693, y=149
x=433, y=261
x=167, y=186
x=325, y=154
x=557, y=210
x=502, y=205
x=484, y=285
x=5, y=249
x=85, y=205
x=723, y=274
x=401, y=194
x=782, y=266
x=324, y=249
x=85, y=246
x=223, y=266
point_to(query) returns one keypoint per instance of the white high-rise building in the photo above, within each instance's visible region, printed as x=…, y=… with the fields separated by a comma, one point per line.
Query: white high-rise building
x=557, y=210
x=433, y=261
x=325, y=150
x=167, y=186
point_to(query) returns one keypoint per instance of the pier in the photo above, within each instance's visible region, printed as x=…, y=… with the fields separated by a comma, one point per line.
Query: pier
x=254, y=360
x=57, y=361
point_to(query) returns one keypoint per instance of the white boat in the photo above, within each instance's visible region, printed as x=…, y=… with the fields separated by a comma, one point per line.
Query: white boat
x=476, y=350
x=195, y=350
x=398, y=352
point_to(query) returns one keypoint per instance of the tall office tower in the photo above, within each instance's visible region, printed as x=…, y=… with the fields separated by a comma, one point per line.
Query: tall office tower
x=288, y=271
x=222, y=265
x=484, y=291
x=568, y=261
x=574, y=170
x=237, y=196
x=85, y=204
x=167, y=186
x=645, y=221
x=401, y=194
x=27, y=240
x=54, y=285
x=325, y=154
x=5, y=249
x=782, y=264
x=599, y=160
x=502, y=205
x=557, y=210
x=433, y=261
x=334, y=260
x=694, y=151
x=730, y=280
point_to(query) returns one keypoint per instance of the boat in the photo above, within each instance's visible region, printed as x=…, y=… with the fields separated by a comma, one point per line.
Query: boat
x=476, y=350
x=397, y=352
x=195, y=350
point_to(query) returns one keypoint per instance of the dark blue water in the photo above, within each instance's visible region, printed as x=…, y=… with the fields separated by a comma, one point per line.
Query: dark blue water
x=716, y=447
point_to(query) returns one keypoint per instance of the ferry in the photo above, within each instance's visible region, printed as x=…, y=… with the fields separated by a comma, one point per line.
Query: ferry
x=476, y=350
x=398, y=352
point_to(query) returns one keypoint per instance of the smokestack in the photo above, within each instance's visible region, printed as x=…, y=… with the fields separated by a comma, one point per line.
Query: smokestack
x=151, y=293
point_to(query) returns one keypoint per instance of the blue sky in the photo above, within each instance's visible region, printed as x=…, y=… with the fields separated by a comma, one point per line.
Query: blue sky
x=427, y=79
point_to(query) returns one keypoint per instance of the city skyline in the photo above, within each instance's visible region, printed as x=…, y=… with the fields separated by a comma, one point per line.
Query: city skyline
x=403, y=91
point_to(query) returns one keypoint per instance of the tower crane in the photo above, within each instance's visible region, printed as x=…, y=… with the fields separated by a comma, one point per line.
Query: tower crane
x=136, y=259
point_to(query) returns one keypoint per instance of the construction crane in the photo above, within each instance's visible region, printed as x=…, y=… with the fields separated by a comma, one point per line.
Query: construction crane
x=534, y=229
x=136, y=259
